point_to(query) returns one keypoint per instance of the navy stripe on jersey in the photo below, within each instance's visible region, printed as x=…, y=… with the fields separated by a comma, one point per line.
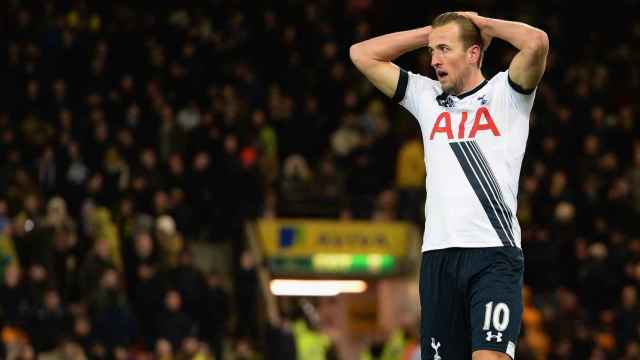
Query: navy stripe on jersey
x=497, y=202
x=494, y=183
x=479, y=183
x=494, y=193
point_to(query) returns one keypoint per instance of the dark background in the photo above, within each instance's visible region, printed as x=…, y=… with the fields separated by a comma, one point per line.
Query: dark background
x=130, y=131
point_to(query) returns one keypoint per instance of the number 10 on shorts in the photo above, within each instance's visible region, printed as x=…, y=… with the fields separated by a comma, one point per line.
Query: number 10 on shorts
x=499, y=315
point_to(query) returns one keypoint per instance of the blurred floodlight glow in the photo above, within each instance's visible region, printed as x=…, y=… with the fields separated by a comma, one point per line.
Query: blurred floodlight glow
x=284, y=287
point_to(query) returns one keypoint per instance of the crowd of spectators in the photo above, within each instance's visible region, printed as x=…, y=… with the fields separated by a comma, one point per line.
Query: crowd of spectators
x=130, y=130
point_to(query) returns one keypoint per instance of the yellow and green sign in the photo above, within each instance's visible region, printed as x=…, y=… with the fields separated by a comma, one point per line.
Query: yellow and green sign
x=319, y=246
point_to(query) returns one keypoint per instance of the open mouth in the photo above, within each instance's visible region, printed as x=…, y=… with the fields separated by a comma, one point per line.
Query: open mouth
x=441, y=74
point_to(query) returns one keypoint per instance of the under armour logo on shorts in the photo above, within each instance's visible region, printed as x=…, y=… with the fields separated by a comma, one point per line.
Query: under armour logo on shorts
x=497, y=337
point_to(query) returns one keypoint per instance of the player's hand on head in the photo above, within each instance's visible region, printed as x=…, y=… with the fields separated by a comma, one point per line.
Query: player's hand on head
x=473, y=16
x=468, y=14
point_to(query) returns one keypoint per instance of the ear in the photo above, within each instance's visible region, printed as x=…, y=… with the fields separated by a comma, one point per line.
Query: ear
x=474, y=54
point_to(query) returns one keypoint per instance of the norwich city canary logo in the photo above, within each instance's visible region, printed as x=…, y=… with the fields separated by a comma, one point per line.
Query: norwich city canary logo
x=290, y=236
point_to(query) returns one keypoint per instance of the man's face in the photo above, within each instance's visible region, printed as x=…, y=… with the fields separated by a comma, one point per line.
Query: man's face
x=449, y=57
x=173, y=301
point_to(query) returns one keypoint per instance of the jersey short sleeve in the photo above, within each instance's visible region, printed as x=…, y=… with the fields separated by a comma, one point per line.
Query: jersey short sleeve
x=521, y=99
x=412, y=91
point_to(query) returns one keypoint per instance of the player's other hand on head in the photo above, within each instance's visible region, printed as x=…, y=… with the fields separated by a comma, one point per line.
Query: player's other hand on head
x=486, y=40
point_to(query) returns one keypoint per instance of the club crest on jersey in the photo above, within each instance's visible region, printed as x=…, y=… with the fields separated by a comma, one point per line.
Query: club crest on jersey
x=483, y=100
x=482, y=121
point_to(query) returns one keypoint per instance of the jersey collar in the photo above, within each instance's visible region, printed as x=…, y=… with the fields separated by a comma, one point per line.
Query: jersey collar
x=472, y=91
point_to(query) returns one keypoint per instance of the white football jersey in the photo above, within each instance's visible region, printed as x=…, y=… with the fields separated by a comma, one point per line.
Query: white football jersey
x=473, y=145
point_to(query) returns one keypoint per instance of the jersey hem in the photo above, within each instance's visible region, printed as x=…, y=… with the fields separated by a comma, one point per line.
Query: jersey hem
x=497, y=348
x=465, y=246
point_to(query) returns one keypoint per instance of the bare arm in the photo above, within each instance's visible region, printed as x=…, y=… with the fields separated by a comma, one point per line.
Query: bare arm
x=374, y=57
x=528, y=66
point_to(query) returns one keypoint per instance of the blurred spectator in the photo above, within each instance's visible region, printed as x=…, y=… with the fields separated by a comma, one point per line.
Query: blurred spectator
x=347, y=137
x=68, y=251
x=201, y=192
x=146, y=298
x=47, y=175
x=96, y=263
x=628, y=319
x=100, y=228
x=163, y=350
x=280, y=340
x=36, y=285
x=215, y=315
x=192, y=349
x=83, y=333
x=189, y=117
x=21, y=352
x=32, y=241
x=386, y=207
x=114, y=322
x=190, y=283
x=49, y=322
x=173, y=324
x=328, y=185
x=13, y=297
x=410, y=174
x=268, y=146
x=295, y=186
x=244, y=350
x=76, y=173
x=595, y=277
x=246, y=295
x=116, y=173
x=142, y=263
x=170, y=242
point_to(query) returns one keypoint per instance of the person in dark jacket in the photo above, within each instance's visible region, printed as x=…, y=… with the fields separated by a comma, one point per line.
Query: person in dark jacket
x=173, y=324
x=49, y=322
x=214, y=315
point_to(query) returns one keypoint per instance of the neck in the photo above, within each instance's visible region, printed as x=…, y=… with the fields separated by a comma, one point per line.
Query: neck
x=471, y=81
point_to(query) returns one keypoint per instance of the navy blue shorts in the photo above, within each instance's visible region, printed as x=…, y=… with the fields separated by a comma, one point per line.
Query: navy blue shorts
x=471, y=300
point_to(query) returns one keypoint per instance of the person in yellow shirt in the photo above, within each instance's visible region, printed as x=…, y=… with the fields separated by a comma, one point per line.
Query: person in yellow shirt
x=310, y=344
x=410, y=175
x=410, y=171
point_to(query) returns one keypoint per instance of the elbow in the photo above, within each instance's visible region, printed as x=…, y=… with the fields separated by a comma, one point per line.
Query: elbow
x=359, y=57
x=362, y=57
x=537, y=44
x=355, y=53
x=540, y=42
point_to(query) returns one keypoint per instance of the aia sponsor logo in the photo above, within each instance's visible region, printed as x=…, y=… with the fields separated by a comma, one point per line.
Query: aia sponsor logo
x=482, y=121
